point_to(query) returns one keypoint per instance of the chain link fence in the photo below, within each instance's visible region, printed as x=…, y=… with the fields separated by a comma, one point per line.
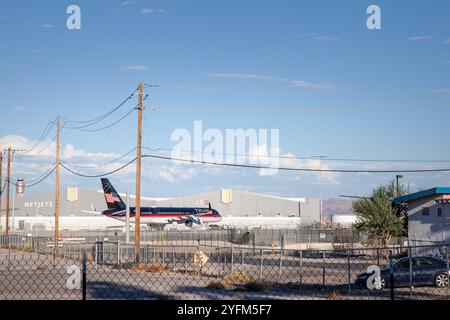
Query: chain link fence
x=31, y=268
x=224, y=238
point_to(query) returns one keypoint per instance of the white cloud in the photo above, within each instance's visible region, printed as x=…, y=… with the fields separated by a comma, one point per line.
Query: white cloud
x=309, y=85
x=419, y=38
x=244, y=76
x=447, y=41
x=126, y=3
x=318, y=36
x=137, y=68
x=441, y=90
x=327, y=38
x=174, y=172
x=37, y=51
x=47, y=25
x=18, y=108
x=148, y=11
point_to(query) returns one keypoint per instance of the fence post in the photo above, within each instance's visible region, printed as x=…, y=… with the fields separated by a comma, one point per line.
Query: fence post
x=410, y=273
x=301, y=266
x=323, y=270
x=119, y=255
x=261, y=265
x=254, y=241
x=281, y=264
x=391, y=274
x=232, y=259
x=173, y=257
x=185, y=261
x=349, y=273
x=84, y=276
x=95, y=253
x=224, y=260
x=448, y=275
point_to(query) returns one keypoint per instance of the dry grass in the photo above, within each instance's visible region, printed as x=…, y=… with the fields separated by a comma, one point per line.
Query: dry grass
x=230, y=280
x=237, y=278
x=149, y=267
x=334, y=296
x=79, y=259
x=41, y=267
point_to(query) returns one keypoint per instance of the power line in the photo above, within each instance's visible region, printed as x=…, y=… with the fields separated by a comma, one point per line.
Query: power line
x=106, y=163
x=121, y=143
x=37, y=182
x=3, y=189
x=43, y=135
x=297, y=169
x=303, y=158
x=99, y=175
x=103, y=128
x=102, y=117
x=47, y=145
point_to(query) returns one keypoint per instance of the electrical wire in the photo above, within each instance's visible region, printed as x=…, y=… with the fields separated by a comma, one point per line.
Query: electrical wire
x=104, y=128
x=3, y=189
x=42, y=136
x=47, y=145
x=297, y=169
x=104, y=164
x=304, y=158
x=37, y=182
x=102, y=117
x=121, y=143
x=99, y=175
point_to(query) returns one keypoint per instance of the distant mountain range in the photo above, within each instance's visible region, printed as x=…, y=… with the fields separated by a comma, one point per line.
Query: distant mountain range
x=337, y=206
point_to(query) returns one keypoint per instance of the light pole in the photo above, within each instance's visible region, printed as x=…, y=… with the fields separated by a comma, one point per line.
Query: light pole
x=398, y=176
x=321, y=185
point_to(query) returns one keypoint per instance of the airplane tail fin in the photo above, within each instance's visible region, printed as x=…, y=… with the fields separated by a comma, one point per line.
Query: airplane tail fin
x=113, y=200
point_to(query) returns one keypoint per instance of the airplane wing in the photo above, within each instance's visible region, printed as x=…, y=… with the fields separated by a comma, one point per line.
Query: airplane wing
x=189, y=220
x=92, y=211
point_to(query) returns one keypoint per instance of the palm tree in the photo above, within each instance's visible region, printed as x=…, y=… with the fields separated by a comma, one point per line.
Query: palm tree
x=376, y=216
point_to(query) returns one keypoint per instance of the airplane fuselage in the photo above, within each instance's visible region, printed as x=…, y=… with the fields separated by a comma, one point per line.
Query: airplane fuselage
x=155, y=215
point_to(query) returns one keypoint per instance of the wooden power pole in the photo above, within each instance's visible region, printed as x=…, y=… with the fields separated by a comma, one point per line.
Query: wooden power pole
x=137, y=217
x=58, y=124
x=1, y=187
x=8, y=173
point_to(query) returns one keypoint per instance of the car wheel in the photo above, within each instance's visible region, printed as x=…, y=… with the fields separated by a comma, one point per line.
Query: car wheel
x=441, y=280
x=383, y=283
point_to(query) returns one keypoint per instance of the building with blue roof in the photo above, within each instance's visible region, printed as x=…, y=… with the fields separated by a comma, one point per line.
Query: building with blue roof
x=428, y=215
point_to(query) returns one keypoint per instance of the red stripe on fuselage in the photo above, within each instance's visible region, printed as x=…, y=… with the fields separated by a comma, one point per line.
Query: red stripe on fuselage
x=162, y=215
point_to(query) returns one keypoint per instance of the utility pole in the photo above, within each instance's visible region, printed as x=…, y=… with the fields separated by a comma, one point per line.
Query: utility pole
x=1, y=187
x=8, y=173
x=137, y=217
x=127, y=238
x=58, y=125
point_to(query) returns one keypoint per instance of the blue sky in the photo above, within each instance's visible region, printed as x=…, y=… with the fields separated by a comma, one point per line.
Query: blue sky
x=331, y=86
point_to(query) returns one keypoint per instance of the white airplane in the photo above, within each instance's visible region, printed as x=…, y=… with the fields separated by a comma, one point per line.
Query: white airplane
x=157, y=217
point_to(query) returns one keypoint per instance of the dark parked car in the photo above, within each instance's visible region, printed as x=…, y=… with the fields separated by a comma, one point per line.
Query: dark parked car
x=426, y=271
